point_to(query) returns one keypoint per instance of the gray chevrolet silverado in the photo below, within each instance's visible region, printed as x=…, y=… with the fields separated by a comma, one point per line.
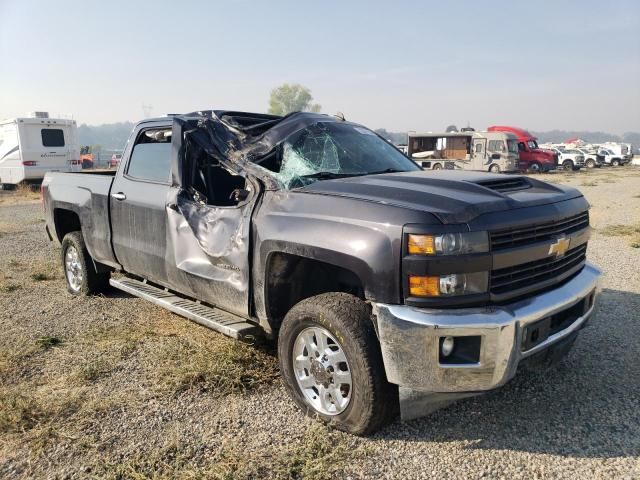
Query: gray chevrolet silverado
x=388, y=289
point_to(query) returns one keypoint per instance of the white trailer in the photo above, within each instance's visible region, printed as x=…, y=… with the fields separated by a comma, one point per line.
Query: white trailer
x=31, y=147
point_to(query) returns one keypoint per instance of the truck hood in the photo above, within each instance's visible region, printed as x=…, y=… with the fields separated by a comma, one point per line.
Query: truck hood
x=452, y=196
x=546, y=151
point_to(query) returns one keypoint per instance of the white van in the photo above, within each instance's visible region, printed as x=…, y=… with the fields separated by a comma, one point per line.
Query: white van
x=30, y=147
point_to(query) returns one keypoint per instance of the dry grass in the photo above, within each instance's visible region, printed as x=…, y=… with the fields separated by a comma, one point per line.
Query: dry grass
x=219, y=369
x=8, y=287
x=21, y=195
x=47, y=380
x=320, y=454
x=42, y=272
x=589, y=184
x=620, y=230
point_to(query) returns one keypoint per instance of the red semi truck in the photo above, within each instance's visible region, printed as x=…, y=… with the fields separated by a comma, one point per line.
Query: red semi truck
x=532, y=157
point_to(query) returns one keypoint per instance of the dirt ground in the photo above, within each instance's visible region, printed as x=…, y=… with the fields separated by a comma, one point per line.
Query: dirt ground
x=113, y=387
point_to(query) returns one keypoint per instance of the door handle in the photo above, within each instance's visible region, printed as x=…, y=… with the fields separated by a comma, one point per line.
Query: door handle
x=119, y=196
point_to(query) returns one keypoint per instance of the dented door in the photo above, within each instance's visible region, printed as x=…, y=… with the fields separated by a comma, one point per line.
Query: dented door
x=208, y=250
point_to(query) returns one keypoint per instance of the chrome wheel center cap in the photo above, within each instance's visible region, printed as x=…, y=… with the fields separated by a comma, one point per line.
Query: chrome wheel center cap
x=321, y=374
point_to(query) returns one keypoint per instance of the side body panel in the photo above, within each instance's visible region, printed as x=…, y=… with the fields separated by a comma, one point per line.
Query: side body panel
x=87, y=196
x=360, y=236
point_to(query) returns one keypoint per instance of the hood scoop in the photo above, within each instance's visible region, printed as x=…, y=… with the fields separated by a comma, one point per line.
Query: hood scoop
x=506, y=185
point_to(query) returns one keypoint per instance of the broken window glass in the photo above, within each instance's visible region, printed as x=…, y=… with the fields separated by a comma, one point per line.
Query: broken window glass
x=332, y=150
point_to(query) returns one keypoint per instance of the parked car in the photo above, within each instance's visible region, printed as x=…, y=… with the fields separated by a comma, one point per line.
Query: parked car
x=620, y=150
x=591, y=158
x=569, y=158
x=387, y=288
x=611, y=158
x=531, y=157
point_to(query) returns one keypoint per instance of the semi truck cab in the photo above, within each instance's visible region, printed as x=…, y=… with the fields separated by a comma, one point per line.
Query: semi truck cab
x=532, y=157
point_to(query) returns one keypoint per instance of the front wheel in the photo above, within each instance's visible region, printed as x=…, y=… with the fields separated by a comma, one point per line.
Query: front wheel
x=567, y=165
x=591, y=163
x=615, y=162
x=494, y=169
x=331, y=363
x=79, y=271
x=534, y=167
x=437, y=166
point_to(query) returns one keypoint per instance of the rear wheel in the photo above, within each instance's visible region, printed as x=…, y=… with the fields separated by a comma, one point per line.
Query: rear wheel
x=590, y=163
x=331, y=363
x=615, y=162
x=79, y=271
x=437, y=166
x=494, y=169
x=567, y=165
x=7, y=186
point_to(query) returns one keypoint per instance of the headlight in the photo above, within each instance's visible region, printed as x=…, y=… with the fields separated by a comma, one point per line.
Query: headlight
x=448, y=243
x=448, y=285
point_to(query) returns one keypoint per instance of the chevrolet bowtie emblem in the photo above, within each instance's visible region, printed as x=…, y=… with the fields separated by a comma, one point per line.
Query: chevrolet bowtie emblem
x=560, y=246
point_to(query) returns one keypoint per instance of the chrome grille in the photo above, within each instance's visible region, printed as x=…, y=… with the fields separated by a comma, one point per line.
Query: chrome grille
x=518, y=237
x=511, y=279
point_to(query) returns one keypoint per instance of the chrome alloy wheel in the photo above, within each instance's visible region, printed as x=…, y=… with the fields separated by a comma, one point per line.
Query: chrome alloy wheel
x=73, y=268
x=322, y=371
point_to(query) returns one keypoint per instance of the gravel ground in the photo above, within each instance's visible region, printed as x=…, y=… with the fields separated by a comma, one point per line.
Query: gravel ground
x=107, y=408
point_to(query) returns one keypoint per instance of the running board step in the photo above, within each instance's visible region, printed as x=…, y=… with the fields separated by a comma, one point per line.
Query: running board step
x=213, y=318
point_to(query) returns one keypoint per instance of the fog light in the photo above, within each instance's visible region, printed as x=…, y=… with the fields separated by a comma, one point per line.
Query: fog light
x=447, y=346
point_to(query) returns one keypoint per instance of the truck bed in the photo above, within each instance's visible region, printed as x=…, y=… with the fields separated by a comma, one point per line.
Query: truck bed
x=86, y=195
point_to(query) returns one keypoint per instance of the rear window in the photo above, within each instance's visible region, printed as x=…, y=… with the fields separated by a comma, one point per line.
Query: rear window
x=52, y=137
x=151, y=156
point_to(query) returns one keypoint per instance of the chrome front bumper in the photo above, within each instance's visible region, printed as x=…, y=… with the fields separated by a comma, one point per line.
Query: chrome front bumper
x=410, y=338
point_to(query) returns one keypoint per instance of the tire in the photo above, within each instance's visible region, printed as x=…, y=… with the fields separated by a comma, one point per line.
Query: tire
x=437, y=166
x=7, y=186
x=80, y=273
x=567, y=165
x=615, y=162
x=371, y=401
x=590, y=163
x=535, y=167
x=494, y=169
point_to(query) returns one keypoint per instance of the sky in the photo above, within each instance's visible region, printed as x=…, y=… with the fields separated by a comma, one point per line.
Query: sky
x=401, y=65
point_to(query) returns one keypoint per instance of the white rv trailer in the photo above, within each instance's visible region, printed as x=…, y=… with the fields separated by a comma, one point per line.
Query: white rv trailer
x=32, y=146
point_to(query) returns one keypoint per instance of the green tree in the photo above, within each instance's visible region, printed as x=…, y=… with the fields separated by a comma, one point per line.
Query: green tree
x=289, y=98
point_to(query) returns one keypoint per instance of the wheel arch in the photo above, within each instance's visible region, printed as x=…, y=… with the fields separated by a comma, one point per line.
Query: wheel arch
x=291, y=277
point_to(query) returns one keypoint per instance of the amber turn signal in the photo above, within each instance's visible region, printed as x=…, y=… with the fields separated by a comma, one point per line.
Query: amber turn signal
x=421, y=245
x=424, y=286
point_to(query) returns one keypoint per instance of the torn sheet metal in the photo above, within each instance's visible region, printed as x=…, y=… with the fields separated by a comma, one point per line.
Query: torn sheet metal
x=207, y=232
x=221, y=136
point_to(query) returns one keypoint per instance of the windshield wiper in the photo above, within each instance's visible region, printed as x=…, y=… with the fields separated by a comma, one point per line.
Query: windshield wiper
x=386, y=170
x=330, y=175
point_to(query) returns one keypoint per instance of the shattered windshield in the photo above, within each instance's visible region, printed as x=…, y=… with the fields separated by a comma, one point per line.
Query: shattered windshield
x=327, y=150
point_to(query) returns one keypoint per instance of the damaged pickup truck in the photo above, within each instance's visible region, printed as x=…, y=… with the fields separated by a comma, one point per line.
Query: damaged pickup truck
x=388, y=289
